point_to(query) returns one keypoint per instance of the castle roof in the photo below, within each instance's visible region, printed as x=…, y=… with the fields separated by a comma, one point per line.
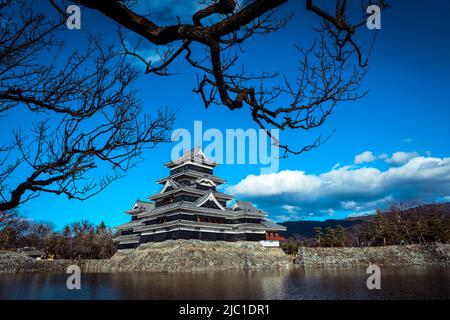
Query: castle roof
x=245, y=205
x=189, y=190
x=195, y=156
x=141, y=206
x=209, y=196
x=193, y=174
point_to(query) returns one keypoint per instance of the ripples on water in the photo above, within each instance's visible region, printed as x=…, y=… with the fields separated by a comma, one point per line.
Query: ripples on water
x=396, y=283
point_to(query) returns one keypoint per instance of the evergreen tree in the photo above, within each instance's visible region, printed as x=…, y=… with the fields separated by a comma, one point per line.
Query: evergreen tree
x=318, y=234
x=436, y=230
x=290, y=246
x=330, y=237
x=391, y=233
x=380, y=225
x=101, y=228
x=8, y=236
x=340, y=235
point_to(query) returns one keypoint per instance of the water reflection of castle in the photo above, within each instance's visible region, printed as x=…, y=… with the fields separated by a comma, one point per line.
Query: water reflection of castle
x=189, y=207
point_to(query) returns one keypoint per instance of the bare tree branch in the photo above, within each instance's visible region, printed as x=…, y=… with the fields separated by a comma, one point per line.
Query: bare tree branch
x=331, y=73
x=88, y=126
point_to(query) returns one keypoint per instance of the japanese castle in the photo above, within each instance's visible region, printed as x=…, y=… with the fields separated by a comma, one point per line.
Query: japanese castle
x=189, y=206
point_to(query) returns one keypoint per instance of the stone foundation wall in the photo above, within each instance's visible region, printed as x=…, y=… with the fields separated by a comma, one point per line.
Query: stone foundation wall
x=13, y=262
x=193, y=255
x=167, y=256
x=423, y=254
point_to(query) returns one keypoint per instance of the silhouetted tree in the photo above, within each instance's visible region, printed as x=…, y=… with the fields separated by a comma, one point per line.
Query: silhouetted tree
x=85, y=114
x=330, y=70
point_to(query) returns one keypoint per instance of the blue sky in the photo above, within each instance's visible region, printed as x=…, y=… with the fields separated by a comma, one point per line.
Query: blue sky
x=399, y=130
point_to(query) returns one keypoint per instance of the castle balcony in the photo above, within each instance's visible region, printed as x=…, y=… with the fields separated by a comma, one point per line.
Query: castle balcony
x=132, y=238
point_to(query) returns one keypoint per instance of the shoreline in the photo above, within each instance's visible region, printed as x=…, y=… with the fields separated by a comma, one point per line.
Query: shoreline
x=179, y=256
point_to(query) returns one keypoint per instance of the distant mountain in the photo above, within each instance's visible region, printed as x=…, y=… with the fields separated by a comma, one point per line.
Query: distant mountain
x=304, y=229
x=439, y=210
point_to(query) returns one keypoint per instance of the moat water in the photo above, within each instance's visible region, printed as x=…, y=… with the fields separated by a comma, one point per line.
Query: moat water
x=396, y=283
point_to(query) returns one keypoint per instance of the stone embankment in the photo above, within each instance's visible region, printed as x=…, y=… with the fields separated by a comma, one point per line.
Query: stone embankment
x=168, y=256
x=192, y=256
x=417, y=254
x=13, y=262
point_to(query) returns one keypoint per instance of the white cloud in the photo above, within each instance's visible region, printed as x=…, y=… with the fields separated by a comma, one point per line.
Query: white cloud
x=407, y=140
x=337, y=165
x=349, y=205
x=289, y=208
x=273, y=184
x=283, y=217
x=361, y=214
x=354, y=206
x=366, y=156
x=348, y=188
x=328, y=212
x=401, y=157
x=148, y=54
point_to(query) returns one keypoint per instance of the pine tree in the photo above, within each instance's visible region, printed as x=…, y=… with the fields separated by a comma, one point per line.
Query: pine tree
x=436, y=230
x=390, y=233
x=318, y=233
x=101, y=228
x=8, y=236
x=340, y=235
x=380, y=227
x=330, y=237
